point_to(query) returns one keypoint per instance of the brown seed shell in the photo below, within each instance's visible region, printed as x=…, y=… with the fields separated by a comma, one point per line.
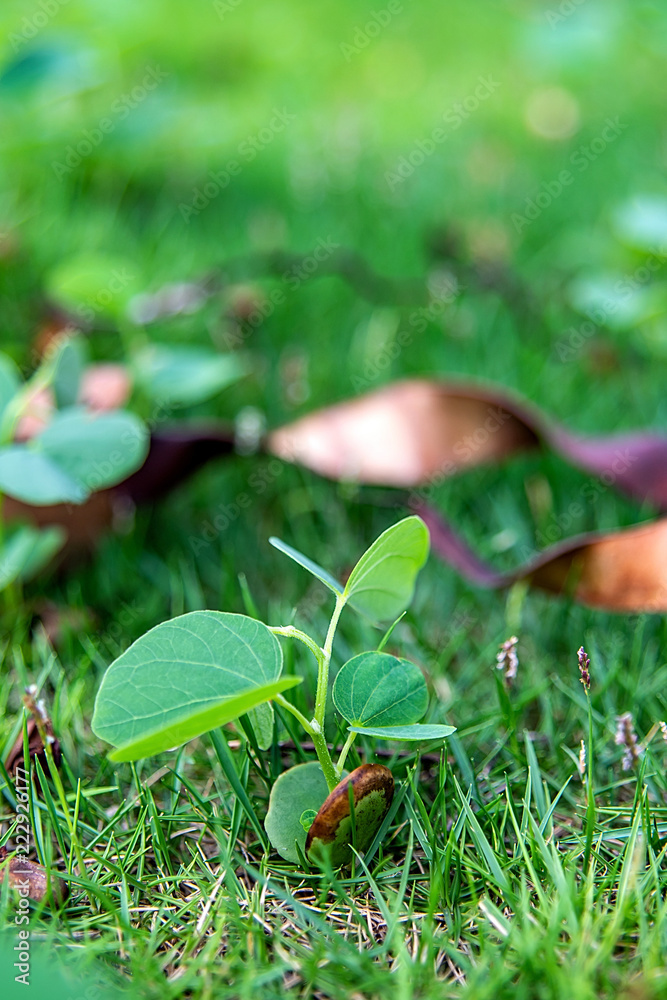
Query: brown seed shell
x=24, y=874
x=366, y=780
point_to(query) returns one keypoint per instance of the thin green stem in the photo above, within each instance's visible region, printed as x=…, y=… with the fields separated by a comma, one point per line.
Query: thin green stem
x=288, y=706
x=351, y=737
x=290, y=632
x=323, y=676
x=590, y=803
x=314, y=728
x=324, y=757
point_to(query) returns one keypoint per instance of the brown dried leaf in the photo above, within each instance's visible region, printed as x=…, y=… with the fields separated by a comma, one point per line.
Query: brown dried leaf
x=405, y=434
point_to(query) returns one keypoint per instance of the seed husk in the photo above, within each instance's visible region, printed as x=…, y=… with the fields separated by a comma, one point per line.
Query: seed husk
x=333, y=833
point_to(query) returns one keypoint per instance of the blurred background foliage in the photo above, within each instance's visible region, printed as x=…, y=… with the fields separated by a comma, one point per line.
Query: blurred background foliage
x=560, y=288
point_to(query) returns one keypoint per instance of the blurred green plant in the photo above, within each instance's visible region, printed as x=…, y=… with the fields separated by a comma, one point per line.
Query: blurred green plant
x=72, y=454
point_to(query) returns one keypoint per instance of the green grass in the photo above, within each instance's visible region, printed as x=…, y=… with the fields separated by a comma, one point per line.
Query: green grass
x=481, y=886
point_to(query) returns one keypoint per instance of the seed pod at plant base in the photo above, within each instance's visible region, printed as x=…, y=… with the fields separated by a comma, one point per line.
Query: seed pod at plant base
x=333, y=833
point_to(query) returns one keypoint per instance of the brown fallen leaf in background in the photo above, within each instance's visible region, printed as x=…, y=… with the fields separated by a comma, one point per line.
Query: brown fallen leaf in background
x=420, y=431
x=84, y=523
x=623, y=571
x=413, y=434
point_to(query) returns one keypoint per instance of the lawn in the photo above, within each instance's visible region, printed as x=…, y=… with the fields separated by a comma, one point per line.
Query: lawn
x=369, y=192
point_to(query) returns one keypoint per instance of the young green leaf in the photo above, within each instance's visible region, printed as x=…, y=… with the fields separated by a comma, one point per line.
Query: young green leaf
x=32, y=477
x=417, y=731
x=376, y=689
x=184, y=677
x=95, y=450
x=10, y=381
x=76, y=454
x=301, y=789
x=382, y=583
x=326, y=578
x=182, y=376
x=68, y=370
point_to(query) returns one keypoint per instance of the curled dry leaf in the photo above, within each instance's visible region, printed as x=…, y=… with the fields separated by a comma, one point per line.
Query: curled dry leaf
x=332, y=832
x=417, y=432
x=30, y=879
x=35, y=748
x=623, y=571
x=404, y=434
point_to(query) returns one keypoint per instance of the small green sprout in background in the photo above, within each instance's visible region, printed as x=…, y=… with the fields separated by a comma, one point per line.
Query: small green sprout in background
x=74, y=454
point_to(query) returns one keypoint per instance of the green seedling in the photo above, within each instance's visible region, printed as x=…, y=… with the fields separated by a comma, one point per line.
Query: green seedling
x=206, y=668
x=75, y=454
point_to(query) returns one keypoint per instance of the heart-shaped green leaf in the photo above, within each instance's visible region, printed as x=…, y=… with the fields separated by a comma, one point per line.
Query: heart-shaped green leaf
x=326, y=578
x=417, y=731
x=382, y=583
x=376, y=689
x=182, y=376
x=185, y=677
x=301, y=789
